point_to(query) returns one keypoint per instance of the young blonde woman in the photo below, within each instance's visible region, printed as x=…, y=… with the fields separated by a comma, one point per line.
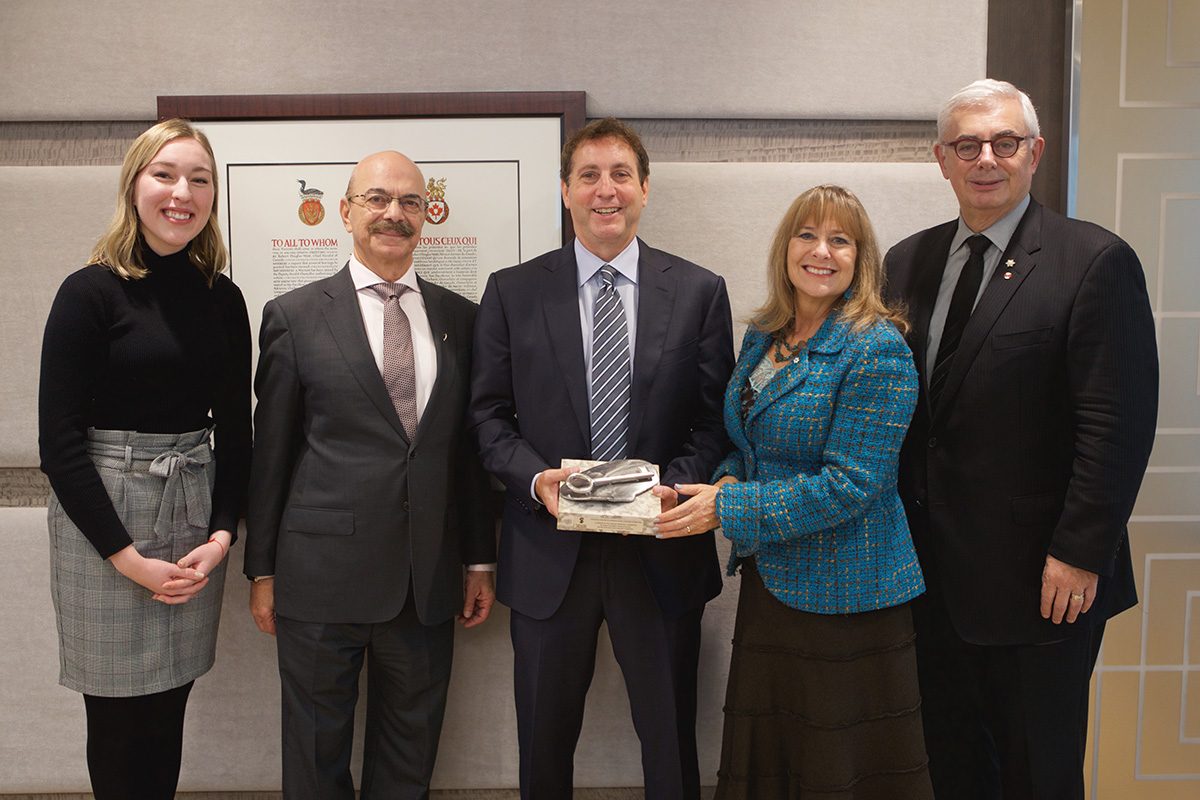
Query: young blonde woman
x=145, y=367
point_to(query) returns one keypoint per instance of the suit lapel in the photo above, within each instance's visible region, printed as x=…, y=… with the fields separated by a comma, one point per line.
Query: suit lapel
x=344, y=317
x=656, y=301
x=560, y=304
x=442, y=329
x=1021, y=252
x=927, y=280
x=753, y=347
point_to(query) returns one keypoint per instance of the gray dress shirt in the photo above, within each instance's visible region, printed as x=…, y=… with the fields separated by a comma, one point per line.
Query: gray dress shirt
x=999, y=235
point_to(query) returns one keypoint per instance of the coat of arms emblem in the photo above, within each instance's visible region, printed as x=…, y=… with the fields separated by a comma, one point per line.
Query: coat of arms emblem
x=311, y=211
x=437, y=209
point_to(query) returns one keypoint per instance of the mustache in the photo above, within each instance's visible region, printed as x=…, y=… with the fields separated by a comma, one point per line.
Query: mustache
x=401, y=227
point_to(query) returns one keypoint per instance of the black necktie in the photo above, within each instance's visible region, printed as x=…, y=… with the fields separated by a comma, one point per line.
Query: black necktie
x=961, y=305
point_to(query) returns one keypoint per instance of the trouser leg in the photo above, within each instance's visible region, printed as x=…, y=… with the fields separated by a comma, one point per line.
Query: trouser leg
x=408, y=673
x=319, y=665
x=962, y=756
x=553, y=663
x=1003, y=721
x=658, y=656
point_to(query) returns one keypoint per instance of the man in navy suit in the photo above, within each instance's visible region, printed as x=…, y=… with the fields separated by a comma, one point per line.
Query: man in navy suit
x=533, y=402
x=1034, y=341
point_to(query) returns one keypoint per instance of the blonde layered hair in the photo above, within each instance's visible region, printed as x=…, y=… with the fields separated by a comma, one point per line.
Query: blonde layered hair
x=865, y=305
x=118, y=248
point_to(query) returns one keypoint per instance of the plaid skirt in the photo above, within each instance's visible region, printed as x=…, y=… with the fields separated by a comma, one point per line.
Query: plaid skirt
x=114, y=639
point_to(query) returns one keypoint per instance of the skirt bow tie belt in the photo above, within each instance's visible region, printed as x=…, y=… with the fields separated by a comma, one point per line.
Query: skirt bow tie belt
x=185, y=496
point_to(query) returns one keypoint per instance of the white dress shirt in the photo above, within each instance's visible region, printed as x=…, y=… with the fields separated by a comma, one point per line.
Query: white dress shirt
x=413, y=305
x=587, y=274
x=587, y=269
x=424, y=350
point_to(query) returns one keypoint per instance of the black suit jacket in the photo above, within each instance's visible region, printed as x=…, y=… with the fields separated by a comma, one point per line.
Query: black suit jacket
x=343, y=507
x=1044, y=427
x=529, y=410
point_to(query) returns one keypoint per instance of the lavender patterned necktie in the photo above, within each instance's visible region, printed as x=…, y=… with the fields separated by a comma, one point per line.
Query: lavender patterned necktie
x=399, y=370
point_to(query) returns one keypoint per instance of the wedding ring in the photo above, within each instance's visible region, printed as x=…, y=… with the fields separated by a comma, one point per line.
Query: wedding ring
x=689, y=528
x=1077, y=596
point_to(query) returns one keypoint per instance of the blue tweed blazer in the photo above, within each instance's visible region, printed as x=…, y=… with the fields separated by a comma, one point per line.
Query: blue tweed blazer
x=817, y=456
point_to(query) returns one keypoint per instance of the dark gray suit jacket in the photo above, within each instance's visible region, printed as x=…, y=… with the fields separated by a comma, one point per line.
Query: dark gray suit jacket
x=1044, y=427
x=343, y=507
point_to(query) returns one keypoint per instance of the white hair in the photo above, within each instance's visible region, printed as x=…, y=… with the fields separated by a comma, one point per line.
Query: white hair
x=986, y=93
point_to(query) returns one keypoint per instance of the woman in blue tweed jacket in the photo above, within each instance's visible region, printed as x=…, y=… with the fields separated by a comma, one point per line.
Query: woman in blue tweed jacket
x=822, y=693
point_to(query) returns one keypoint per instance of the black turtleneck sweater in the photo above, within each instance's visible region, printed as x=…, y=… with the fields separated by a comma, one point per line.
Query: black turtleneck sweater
x=157, y=355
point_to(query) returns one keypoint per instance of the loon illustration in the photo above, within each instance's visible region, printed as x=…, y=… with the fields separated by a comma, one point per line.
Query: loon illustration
x=316, y=194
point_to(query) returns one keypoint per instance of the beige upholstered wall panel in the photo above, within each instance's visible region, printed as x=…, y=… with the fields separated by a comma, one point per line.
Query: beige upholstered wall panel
x=49, y=219
x=83, y=59
x=724, y=215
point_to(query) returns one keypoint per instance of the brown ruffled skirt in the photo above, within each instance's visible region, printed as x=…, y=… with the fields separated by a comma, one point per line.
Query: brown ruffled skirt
x=821, y=706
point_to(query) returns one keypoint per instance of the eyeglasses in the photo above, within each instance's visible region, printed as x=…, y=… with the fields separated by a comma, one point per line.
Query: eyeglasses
x=411, y=204
x=1002, y=146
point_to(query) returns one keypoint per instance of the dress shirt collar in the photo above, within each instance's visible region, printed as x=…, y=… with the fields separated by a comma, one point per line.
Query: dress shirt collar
x=363, y=277
x=587, y=264
x=999, y=233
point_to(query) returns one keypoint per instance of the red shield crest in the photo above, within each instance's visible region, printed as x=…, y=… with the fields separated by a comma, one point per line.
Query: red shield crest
x=437, y=212
x=311, y=211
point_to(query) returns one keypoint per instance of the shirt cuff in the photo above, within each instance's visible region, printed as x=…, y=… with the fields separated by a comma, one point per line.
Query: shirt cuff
x=533, y=488
x=481, y=567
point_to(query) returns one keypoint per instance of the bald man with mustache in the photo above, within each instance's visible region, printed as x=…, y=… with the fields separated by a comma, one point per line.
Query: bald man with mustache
x=367, y=529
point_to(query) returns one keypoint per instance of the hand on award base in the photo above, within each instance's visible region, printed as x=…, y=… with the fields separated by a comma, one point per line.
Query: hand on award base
x=547, y=484
x=668, y=497
x=697, y=514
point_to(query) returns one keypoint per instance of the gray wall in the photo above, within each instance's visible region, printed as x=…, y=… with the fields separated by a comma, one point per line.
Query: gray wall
x=741, y=106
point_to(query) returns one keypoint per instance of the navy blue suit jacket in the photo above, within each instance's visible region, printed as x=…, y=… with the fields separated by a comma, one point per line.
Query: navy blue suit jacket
x=529, y=410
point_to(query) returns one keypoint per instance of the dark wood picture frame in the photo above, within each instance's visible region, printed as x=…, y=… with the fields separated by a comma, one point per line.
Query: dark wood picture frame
x=569, y=107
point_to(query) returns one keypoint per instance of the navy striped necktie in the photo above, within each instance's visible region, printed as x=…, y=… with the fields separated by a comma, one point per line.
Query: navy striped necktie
x=610, y=372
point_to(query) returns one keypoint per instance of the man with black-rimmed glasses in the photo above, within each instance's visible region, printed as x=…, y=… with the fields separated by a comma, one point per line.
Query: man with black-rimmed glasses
x=1034, y=340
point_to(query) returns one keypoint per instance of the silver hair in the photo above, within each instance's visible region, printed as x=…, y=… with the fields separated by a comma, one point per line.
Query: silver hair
x=985, y=93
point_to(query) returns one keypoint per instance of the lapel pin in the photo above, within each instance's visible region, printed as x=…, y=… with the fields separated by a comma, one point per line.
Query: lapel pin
x=1008, y=276
x=444, y=335
x=1010, y=264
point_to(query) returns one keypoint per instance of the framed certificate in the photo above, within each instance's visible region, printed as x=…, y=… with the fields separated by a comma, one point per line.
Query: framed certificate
x=490, y=160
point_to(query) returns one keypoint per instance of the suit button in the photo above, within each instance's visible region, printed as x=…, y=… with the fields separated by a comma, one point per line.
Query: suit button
x=404, y=505
x=920, y=503
x=412, y=454
x=932, y=442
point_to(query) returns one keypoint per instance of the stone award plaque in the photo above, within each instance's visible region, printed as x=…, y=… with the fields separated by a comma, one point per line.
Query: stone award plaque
x=609, y=497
